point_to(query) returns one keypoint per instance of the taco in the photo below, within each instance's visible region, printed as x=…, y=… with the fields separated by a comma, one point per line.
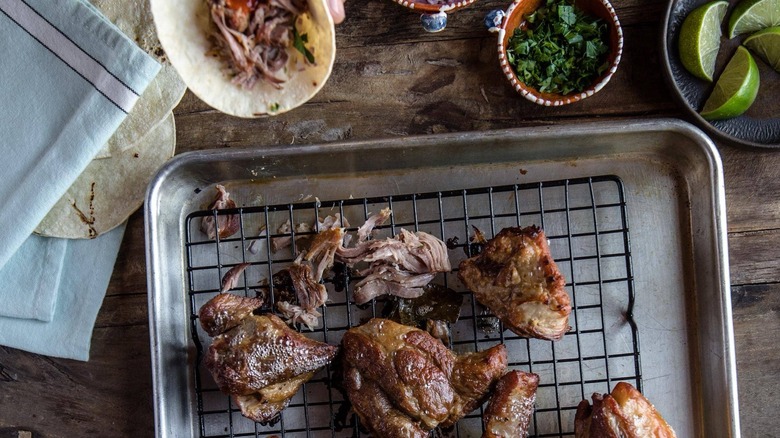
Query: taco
x=248, y=58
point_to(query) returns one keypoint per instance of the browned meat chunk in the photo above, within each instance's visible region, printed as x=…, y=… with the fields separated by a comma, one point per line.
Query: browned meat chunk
x=225, y=311
x=375, y=408
x=625, y=413
x=261, y=362
x=511, y=406
x=304, y=282
x=262, y=351
x=402, y=382
x=225, y=225
x=266, y=403
x=517, y=279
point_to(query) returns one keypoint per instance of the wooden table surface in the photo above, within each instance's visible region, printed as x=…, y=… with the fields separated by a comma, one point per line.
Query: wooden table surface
x=392, y=79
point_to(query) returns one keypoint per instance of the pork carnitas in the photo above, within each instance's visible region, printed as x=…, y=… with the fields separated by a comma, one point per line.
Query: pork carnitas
x=254, y=37
x=304, y=295
x=517, y=279
x=225, y=225
x=299, y=292
x=400, y=265
x=402, y=382
x=258, y=359
x=625, y=413
x=511, y=406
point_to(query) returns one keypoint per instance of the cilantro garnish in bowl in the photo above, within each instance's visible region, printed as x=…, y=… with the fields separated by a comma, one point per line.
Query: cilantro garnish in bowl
x=559, y=49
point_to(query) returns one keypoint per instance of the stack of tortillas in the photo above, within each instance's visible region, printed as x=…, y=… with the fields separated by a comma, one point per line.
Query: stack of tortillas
x=113, y=185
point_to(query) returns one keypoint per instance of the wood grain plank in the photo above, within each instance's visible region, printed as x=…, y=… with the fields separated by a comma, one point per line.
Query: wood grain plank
x=129, y=276
x=754, y=256
x=756, y=331
x=752, y=183
x=389, y=23
x=109, y=396
x=415, y=89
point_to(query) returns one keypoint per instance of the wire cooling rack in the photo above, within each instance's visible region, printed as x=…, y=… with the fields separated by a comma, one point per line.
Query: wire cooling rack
x=585, y=222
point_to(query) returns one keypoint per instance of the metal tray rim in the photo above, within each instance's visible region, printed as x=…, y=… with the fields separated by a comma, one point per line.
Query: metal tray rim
x=675, y=126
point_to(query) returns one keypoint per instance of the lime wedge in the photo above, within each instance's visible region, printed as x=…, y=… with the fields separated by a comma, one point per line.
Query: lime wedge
x=700, y=39
x=766, y=44
x=736, y=88
x=752, y=15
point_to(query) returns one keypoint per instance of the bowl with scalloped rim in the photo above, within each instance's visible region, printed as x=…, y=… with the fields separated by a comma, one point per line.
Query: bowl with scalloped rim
x=514, y=18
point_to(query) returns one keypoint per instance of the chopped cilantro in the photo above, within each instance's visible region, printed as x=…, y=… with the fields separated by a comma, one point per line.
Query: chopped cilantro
x=299, y=42
x=560, y=49
x=274, y=107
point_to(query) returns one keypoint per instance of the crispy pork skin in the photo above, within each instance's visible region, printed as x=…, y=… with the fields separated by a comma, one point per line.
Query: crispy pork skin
x=225, y=311
x=625, y=413
x=403, y=382
x=517, y=279
x=511, y=406
x=258, y=359
x=262, y=351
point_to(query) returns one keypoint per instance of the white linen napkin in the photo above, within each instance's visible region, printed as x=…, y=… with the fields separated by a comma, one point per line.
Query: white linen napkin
x=68, y=78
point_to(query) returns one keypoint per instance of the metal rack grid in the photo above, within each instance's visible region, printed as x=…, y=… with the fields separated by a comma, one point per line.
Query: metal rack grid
x=586, y=225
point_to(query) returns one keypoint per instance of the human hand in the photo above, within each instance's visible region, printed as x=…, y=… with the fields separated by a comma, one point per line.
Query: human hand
x=336, y=8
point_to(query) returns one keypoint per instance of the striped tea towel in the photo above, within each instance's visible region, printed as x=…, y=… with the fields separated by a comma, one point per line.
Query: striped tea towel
x=68, y=77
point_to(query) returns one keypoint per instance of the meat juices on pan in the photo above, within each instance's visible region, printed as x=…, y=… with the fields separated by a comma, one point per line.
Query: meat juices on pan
x=517, y=279
x=402, y=382
x=511, y=406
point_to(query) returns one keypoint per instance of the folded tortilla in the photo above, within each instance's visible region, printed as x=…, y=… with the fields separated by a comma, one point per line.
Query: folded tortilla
x=184, y=27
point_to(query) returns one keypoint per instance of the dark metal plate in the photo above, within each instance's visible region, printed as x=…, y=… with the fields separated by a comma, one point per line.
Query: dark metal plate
x=760, y=125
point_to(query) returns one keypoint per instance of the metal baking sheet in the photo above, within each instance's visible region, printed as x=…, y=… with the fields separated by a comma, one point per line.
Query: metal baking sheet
x=668, y=172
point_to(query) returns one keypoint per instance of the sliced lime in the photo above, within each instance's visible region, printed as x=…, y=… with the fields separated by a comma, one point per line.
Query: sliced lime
x=766, y=44
x=736, y=88
x=700, y=38
x=752, y=15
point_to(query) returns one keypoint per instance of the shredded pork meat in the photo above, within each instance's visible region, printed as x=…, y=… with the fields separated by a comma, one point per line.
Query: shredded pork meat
x=309, y=293
x=254, y=36
x=400, y=265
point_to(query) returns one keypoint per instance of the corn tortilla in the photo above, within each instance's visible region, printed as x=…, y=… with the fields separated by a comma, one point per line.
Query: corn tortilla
x=110, y=189
x=134, y=19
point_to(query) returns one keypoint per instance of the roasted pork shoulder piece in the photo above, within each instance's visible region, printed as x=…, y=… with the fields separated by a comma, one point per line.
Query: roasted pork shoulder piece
x=517, y=279
x=263, y=351
x=402, y=382
x=258, y=359
x=511, y=406
x=625, y=413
